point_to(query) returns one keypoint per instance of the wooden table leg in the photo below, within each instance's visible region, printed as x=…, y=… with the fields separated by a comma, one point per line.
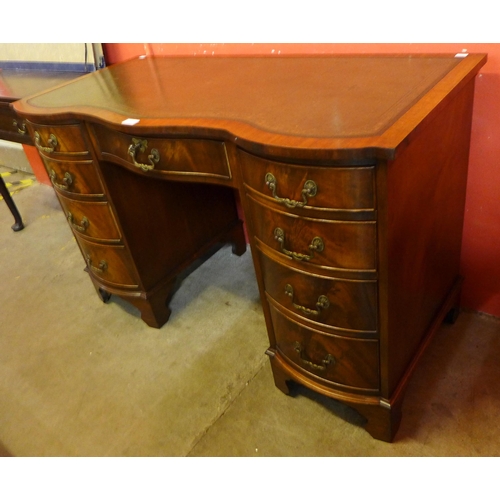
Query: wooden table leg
x=382, y=419
x=4, y=192
x=382, y=422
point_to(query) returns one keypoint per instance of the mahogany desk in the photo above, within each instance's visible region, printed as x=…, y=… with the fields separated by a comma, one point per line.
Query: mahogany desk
x=15, y=84
x=351, y=172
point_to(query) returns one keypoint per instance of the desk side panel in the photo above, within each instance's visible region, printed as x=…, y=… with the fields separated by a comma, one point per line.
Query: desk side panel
x=426, y=188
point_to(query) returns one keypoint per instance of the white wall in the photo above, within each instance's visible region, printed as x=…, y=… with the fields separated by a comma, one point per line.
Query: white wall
x=46, y=52
x=75, y=53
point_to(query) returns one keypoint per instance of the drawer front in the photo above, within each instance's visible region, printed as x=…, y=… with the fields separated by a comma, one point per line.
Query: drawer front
x=110, y=264
x=12, y=128
x=74, y=177
x=351, y=363
x=343, y=304
x=91, y=219
x=348, y=245
x=292, y=186
x=175, y=156
x=54, y=141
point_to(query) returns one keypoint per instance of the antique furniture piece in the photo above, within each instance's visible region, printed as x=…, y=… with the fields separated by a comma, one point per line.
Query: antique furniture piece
x=16, y=84
x=351, y=172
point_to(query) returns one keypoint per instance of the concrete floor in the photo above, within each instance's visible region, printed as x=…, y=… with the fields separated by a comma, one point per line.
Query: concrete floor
x=83, y=378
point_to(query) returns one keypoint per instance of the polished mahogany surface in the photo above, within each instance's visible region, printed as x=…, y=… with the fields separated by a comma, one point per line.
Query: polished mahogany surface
x=324, y=101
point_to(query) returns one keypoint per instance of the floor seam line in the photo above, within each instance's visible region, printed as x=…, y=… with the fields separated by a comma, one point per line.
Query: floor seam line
x=229, y=405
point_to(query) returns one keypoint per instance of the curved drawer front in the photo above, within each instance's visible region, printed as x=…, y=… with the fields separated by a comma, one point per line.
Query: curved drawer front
x=108, y=263
x=176, y=156
x=337, y=188
x=13, y=128
x=74, y=177
x=349, y=245
x=54, y=141
x=350, y=363
x=91, y=219
x=343, y=304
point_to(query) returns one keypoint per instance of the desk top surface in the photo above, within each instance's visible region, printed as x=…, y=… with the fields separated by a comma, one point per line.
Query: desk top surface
x=288, y=101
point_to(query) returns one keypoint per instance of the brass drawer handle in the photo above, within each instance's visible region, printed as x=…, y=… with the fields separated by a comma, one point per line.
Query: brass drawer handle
x=67, y=180
x=141, y=145
x=52, y=143
x=316, y=245
x=21, y=127
x=321, y=303
x=327, y=360
x=82, y=227
x=103, y=265
x=309, y=190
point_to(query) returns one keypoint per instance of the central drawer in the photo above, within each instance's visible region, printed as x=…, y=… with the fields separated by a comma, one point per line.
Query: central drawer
x=203, y=157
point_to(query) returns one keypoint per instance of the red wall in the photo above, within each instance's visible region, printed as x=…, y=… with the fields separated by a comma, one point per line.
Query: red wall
x=481, y=243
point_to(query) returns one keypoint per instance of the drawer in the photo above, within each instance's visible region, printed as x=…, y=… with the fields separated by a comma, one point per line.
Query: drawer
x=91, y=219
x=348, y=362
x=347, y=245
x=74, y=177
x=110, y=264
x=169, y=156
x=350, y=305
x=12, y=128
x=57, y=140
x=324, y=188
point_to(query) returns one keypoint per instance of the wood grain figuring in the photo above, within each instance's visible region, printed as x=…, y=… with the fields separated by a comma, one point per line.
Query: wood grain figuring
x=181, y=156
x=348, y=245
x=339, y=189
x=70, y=140
x=356, y=271
x=92, y=220
x=355, y=363
x=118, y=265
x=85, y=180
x=352, y=303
